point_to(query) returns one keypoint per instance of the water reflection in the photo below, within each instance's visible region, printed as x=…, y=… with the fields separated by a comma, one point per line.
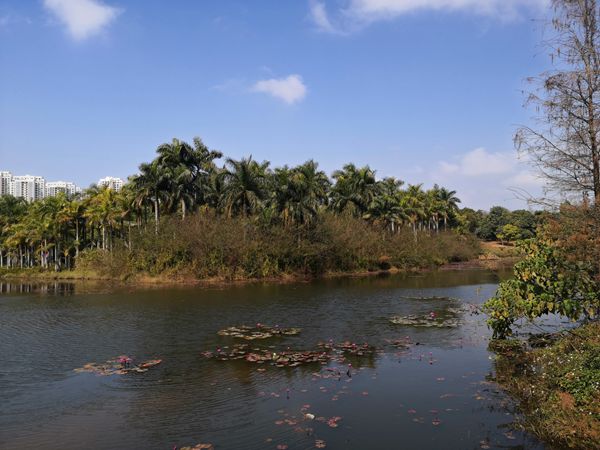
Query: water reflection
x=52, y=287
x=426, y=396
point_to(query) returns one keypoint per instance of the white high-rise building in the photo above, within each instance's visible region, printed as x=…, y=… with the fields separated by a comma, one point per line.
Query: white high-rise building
x=33, y=188
x=29, y=187
x=54, y=187
x=116, y=184
x=5, y=183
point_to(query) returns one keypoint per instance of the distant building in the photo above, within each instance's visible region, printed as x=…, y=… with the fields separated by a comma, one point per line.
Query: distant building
x=29, y=187
x=5, y=183
x=33, y=188
x=116, y=184
x=54, y=187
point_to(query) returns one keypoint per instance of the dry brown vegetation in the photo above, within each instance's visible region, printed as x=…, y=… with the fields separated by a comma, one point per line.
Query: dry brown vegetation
x=210, y=246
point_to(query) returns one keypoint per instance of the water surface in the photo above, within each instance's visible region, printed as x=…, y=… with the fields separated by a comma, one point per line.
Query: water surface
x=435, y=395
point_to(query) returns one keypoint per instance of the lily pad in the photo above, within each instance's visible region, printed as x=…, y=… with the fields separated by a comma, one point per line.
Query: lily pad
x=426, y=321
x=117, y=366
x=257, y=332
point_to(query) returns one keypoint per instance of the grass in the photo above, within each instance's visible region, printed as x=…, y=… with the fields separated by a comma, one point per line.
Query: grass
x=495, y=250
x=558, y=386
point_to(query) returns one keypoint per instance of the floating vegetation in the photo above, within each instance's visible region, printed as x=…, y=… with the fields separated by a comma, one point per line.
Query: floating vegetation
x=430, y=320
x=401, y=344
x=118, y=366
x=432, y=298
x=323, y=354
x=285, y=358
x=259, y=331
x=199, y=447
x=348, y=348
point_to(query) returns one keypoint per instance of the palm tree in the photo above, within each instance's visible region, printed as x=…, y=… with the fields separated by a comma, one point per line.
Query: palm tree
x=174, y=161
x=214, y=189
x=104, y=211
x=387, y=210
x=73, y=212
x=314, y=182
x=204, y=161
x=12, y=211
x=51, y=212
x=412, y=202
x=298, y=193
x=149, y=186
x=355, y=188
x=185, y=170
x=450, y=203
x=244, y=186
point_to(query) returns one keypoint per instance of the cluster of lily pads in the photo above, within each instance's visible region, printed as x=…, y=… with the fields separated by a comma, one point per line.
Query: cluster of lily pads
x=324, y=353
x=285, y=358
x=118, y=366
x=426, y=321
x=348, y=348
x=259, y=331
x=198, y=447
x=430, y=298
x=447, y=318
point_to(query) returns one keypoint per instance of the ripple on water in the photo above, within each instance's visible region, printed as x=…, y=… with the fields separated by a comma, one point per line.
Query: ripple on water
x=189, y=399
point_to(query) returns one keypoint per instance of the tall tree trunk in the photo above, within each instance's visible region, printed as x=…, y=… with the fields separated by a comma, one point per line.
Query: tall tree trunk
x=156, y=216
x=77, y=238
x=57, y=256
x=589, y=55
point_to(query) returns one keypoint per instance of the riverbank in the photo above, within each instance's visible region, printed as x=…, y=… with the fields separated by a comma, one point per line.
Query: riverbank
x=556, y=380
x=35, y=274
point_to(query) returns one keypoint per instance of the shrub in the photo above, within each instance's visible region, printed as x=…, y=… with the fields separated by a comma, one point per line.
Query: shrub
x=208, y=245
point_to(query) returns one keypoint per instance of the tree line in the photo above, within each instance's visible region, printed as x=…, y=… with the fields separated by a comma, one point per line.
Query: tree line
x=185, y=178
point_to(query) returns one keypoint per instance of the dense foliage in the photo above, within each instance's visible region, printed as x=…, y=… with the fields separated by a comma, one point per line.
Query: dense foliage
x=560, y=273
x=300, y=209
x=558, y=386
x=500, y=224
x=212, y=246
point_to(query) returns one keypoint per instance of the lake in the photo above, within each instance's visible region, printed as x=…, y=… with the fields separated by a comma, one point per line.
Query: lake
x=425, y=387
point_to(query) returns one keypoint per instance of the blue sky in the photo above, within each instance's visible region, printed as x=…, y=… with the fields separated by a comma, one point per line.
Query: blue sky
x=424, y=90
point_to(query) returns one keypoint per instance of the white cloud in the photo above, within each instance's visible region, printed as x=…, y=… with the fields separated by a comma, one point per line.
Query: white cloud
x=480, y=162
x=319, y=16
x=524, y=179
x=83, y=18
x=290, y=89
x=377, y=9
x=359, y=13
x=484, y=179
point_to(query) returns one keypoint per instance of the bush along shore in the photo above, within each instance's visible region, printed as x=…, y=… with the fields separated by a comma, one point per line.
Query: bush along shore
x=556, y=376
x=556, y=379
x=185, y=215
x=213, y=247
